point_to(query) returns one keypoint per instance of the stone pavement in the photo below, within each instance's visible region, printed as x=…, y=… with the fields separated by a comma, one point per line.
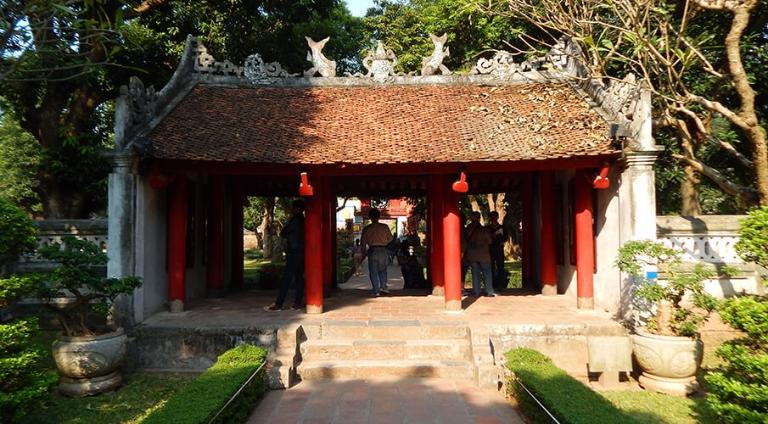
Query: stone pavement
x=390, y=401
x=363, y=281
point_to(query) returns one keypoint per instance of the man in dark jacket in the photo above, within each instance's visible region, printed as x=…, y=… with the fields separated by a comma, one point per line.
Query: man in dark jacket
x=293, y=233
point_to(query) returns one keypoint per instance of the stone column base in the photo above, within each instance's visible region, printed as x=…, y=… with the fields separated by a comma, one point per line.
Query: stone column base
x=176, y=306
x=585, y=303
x=549, y=289
x=453, y=306
x=438, y=291
x=314, y=309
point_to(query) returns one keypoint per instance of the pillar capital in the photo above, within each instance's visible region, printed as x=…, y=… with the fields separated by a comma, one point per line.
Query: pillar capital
x=122, y=162
x=642, y=157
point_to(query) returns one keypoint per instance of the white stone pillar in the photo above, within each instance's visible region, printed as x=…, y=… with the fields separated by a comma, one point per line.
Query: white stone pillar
x=120, y=233
x=641, y=210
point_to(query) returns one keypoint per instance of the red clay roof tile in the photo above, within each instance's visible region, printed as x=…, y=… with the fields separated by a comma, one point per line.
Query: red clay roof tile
x=381, y=124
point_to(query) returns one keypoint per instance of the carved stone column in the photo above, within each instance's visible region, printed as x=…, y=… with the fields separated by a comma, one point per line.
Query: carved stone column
x=121, y=234
x=640, y=180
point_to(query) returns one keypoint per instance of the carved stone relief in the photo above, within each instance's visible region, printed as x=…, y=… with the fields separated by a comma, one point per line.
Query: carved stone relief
x=320, y=64
x=380, y=63
x=431, y=64
x=259, y=72
x=141, y=101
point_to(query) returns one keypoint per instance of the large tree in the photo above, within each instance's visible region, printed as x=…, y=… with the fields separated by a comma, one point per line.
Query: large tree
x=61, y=63
x=701, y=59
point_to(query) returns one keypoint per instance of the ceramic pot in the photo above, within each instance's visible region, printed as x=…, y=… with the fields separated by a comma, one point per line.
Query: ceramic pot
x=668, y=363
x=88, y=365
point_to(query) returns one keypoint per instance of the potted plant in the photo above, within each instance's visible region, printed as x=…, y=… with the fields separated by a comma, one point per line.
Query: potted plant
x=87, y=353
x=667, y=347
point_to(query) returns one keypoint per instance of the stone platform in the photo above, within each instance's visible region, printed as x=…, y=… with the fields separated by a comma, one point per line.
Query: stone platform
x=406, y=334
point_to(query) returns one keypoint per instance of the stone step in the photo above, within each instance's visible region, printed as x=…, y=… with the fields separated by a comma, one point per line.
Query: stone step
x=392, y=330
x=361, y=369
x=317, y=350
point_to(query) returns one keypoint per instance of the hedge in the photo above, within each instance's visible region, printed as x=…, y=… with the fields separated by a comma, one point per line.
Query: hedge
x=201, y=400
x=566, y=398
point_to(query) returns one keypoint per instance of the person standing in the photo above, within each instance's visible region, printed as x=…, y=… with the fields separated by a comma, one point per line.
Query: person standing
x=497, y=252
x=374, y=239
x=357, y=254
x=478, y=255
x=293, y=233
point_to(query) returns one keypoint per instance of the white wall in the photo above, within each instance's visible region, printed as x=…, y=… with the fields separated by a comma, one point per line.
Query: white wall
x=151, y=233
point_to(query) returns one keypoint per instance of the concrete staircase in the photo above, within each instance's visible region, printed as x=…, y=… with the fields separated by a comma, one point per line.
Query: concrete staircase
x=378, y=348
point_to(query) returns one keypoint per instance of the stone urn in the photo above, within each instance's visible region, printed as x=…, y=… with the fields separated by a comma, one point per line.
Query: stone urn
x=668, y=363
x=88, y=365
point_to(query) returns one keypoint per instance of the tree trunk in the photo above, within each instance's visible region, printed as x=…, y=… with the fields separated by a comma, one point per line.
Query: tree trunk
x=760, y=158
x=59, y=202
x=476, y=207
x=689, y=187
x=268, y=227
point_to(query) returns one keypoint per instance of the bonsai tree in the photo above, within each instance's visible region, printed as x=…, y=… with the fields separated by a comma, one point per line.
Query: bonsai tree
x=78, y=276
x=681, y=304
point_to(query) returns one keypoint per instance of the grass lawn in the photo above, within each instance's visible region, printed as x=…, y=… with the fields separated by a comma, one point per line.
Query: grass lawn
x=251, y=268
x=141, y=394
x=649, y=407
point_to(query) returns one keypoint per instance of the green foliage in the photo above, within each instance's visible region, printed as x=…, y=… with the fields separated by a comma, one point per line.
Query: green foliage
x=17, y=232
x=23, y=381
x=19, y=161
x=404, y=26
x=78, y=275
x=566, y=398
x=674, y=316
x=753, y=237
x=200, y=400
x=739, y=387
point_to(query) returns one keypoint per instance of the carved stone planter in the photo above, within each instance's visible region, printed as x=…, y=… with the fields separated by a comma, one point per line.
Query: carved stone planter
x=668, y=363
x=88, y=365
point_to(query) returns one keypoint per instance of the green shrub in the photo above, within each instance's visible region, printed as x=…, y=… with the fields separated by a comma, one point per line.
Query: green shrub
x=566, y=398
x=753, y=237
x=199, y=401
x=23, y=381
x=251, y=254
x=17, y=232
x=739, y=387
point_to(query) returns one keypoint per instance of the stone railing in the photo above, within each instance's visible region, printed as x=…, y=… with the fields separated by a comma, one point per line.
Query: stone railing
x=53, y=230
x=711, y=240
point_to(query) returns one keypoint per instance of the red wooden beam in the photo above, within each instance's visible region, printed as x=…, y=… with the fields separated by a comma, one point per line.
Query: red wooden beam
x=451, y=249
x=238, y=200
x=215, y=236
x=548, y=247
x=435, y=211
x=313, y=247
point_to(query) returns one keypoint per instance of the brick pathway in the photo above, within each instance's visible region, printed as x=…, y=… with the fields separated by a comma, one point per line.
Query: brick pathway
x=383, y=401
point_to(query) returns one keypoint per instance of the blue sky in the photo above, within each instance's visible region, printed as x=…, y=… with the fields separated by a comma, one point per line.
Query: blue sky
x=359, y=7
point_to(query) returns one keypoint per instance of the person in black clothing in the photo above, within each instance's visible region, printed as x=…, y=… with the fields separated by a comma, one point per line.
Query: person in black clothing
x=497, y=252
x=293, y=233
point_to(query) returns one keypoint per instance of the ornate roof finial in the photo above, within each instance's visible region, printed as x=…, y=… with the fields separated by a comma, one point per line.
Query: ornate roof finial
x=433, y=63
x=259, y=72
x=320, y=64
x=380, y=63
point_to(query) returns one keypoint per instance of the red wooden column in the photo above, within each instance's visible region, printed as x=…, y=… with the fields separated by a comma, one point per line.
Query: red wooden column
x=178, y=199
x=436, y=199
x=548, y=246
x=451, y=240
x=313, y=249
x=334, y=231
x=215, y=248
x=238, y=200
x=585, y=248
x=527, y=236
x=326, y=233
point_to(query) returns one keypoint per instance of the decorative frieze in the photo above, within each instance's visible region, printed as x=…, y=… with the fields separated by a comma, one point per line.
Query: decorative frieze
x=259, y=72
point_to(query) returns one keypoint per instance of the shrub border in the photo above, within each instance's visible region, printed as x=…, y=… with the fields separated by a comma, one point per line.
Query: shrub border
x=543, y=390
x=231, y=405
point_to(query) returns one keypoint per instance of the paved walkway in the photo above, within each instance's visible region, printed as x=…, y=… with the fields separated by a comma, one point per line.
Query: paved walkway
x=386, y=401
x=363, y=281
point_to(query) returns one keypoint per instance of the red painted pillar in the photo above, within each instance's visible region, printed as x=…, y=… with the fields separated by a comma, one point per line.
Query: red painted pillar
x=215, y=247
x=334, y=235
x=585, y=248
x=451, y=240
x=178, y=198
x=527, y=236
x=326, y=247
x=548, y=246
x=238, y=199
x=437, y=188
x=313, y=248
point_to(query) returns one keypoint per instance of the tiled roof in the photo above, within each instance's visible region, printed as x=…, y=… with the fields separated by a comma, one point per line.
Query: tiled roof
x=381, y=124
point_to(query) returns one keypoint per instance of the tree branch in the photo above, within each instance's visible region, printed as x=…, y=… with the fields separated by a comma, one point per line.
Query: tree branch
x=717, y=177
